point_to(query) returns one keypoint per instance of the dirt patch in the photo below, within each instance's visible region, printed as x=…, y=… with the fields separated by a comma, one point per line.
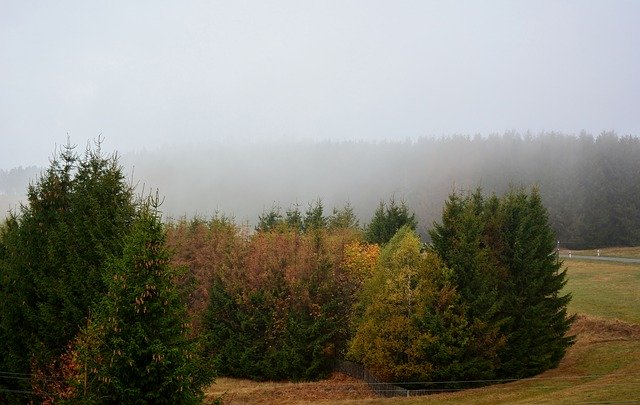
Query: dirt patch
x=604, y=329
x=338, y=387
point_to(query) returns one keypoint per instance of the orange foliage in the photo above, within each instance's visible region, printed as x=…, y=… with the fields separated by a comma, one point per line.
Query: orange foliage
x=360, y=259
x=204, y=249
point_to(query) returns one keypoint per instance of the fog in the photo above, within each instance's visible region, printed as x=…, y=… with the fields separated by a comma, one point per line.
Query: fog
x=236, y=106
x=588, y=183
x=243, y=180
x=148, y=74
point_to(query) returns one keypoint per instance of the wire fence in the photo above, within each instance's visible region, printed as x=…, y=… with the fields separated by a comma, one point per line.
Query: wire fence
x=381, y=388
x=386, y=389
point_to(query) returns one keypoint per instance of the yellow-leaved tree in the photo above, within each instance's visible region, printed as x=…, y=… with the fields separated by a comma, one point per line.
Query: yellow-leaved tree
x=413, y=326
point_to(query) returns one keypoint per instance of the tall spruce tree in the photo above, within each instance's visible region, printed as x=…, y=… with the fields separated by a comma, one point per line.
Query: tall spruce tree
x=537, y=312
x=54, y=254
x=54, y=251
x=502, y=252
x=138, y=347
x=462, y=243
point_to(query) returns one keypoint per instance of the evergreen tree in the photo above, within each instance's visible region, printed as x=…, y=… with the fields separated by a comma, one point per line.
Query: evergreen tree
x=270, y=220
x=293, y=218
x=461, y=240
x=54, y=253
x=502, y=254
x=314, y=216
x=138, y=347
x=387, y=220
x=343, y=218
x=537, y=313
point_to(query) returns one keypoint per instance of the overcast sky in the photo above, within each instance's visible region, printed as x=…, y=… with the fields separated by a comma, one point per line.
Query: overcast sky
x=155, y=73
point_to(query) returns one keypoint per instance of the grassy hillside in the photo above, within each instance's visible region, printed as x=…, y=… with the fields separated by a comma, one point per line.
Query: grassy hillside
x=605, y=289
x=602, y=366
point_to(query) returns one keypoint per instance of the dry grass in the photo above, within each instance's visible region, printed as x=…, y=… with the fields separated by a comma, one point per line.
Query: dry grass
x=602, y=366
x=337, y=388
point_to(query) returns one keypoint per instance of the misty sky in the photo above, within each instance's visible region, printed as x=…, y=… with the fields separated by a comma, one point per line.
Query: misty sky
x=147, y=74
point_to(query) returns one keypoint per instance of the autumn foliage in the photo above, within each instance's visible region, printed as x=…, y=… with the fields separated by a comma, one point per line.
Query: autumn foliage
x=203, y=248
x=414, y=326
x=283, y=311
x=102, y=302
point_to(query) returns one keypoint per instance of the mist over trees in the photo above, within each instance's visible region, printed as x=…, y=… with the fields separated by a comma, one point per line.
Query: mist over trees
x=589, y=184
x=102, y=301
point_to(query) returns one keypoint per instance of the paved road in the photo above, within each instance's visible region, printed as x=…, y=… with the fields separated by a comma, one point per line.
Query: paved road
x=605, y=258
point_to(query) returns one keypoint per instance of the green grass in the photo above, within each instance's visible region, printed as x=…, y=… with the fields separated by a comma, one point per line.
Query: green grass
x=604, y=289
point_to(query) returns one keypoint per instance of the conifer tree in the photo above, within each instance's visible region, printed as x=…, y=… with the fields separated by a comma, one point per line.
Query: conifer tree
x=343, y=218
x=461, y=242
x=54, y=252
x=502, y=254
x=537, y=312
x=138, y=347
x=270, y=220
x=293, y=218
x=314, y=216
x=387, y=220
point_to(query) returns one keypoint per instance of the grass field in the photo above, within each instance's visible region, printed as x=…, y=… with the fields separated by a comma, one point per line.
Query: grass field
x=604, y=289
x=603, y=366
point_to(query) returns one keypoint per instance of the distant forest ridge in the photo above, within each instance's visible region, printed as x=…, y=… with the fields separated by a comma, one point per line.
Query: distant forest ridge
x=590, y=184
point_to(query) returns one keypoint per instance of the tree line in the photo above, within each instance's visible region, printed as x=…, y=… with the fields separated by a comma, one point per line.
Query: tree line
x=588, y=183
x=102, y=301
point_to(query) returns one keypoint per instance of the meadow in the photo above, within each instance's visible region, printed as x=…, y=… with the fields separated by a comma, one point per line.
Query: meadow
x=602, y=366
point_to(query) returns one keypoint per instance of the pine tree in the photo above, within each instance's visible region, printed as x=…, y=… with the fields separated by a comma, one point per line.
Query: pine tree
x=537, y=312
x=138, y=347
x=270, y=220
x=502, y=254
x=314, y=216
x=387, y=220
x=54, y=253
x=461, y=241
x=343, y=218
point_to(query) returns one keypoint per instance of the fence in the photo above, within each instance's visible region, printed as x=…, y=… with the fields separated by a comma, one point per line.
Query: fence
x=381, y=388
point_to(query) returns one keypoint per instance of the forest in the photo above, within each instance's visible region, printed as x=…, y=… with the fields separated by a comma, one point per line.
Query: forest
x=588, y=183
x=103, y=300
